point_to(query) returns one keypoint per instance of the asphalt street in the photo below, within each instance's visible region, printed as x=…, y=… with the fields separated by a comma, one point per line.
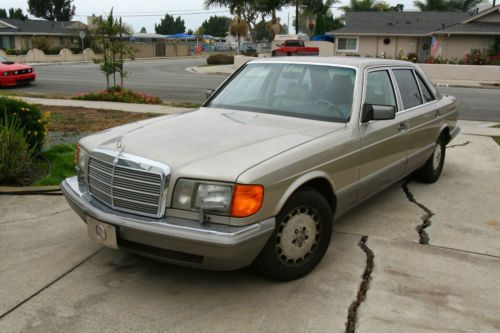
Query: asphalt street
x=168, y=79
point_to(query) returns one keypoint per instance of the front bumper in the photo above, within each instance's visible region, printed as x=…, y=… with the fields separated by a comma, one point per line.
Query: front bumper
x=16, y=80
x=454, y=132
x=176, y=240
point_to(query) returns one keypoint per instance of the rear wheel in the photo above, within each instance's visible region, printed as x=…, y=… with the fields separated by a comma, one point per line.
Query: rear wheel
x=300, y=239
x=432, y=169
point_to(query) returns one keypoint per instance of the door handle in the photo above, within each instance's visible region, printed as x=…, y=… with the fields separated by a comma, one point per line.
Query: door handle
x=437, y=114
x=402, y=127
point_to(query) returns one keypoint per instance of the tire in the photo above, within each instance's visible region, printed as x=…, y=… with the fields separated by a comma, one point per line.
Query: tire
x=431, y=170
x=300, y=239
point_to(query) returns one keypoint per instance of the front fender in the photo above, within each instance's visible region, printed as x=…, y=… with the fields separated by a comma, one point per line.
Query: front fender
x=301, y=180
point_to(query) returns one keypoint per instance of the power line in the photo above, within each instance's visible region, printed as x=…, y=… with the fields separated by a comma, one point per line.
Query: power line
x=146, y=14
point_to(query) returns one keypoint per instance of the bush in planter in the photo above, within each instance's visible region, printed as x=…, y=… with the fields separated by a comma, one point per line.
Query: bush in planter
x=412, y=57
x=15, y=154
x=119, y=94
x=29, y=118
x=476, y=57
x=220, y=59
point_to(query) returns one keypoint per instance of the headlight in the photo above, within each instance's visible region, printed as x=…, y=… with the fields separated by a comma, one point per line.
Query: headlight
x=192, y=195
x=5, y=74
x=16, y=72
x=81, y=160
x=220, y=198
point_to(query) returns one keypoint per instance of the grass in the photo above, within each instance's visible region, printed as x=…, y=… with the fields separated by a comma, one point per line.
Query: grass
x=497, y=139
x=496, y=126
x=55, y=164
x=8, y=92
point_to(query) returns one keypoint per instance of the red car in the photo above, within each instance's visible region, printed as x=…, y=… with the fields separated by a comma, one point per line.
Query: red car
x=295, y=48
x=14, y=74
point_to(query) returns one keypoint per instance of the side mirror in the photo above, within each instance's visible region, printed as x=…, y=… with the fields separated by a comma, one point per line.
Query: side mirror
x=378, y=112
x=209, y=92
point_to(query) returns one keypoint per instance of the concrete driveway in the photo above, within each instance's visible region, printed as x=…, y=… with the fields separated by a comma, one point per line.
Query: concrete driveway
x=54, y=279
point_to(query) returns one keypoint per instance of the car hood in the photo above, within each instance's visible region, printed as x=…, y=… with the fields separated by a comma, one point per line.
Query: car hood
x=12, y=66
x=211, y=143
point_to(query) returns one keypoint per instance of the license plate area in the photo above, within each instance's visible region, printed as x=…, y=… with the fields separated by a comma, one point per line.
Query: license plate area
x=102, y=233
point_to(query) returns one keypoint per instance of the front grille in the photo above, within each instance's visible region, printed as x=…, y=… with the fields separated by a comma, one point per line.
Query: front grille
x=126, y=188
x=21, y=71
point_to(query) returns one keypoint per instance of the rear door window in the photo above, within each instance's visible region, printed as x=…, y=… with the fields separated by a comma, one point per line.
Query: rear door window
x=408, y=88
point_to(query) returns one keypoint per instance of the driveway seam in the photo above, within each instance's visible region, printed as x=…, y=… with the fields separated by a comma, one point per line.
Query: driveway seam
x=36, y=217
x=3, y=315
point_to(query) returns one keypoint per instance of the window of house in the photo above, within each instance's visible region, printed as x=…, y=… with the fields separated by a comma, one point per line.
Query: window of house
x=7, y=42
x=425, y=90
x=408, y=88
x=347, y=44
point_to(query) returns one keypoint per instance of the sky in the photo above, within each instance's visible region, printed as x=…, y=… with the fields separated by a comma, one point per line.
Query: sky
x=146, y=13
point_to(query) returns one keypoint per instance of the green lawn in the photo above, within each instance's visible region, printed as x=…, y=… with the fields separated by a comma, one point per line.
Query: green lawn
x=497, y=139
x=496, y=126
x=57, y=163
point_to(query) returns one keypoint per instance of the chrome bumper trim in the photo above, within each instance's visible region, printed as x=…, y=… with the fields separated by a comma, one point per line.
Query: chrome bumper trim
x=224, y=247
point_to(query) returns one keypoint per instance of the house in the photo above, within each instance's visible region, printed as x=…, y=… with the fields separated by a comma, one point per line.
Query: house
x=390, y=34
x=19, y=34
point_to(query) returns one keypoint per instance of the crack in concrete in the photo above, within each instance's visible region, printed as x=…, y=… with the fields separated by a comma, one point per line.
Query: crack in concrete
x=426, y=218
x=352, y=314
x=3, y=315
x=459, y=144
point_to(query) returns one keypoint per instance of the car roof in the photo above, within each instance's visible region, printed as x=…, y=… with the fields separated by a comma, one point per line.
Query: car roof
x=357, y=62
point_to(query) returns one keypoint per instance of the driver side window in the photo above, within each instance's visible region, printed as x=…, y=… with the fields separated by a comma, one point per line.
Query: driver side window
x=379, y=89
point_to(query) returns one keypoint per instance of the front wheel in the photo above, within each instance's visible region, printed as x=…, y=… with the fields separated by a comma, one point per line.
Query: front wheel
x=431, y=170
x=300, y=239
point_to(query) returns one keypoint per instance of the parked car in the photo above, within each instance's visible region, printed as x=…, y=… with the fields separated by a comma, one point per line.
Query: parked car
x=294, y=47
x=14, y=74
x=259, y=173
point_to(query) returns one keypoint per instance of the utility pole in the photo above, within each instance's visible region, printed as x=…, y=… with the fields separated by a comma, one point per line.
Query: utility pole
x=296, y=17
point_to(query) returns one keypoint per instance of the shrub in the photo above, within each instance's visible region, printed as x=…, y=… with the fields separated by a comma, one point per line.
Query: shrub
x=119, y=94
x=41, y=43
x=476, y=57
x=220, y=59
x=53, y=51
x=30, y=119
x=15, y=154
x=412, y=57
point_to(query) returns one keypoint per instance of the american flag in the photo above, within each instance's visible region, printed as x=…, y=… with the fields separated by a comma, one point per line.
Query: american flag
x=435, y=46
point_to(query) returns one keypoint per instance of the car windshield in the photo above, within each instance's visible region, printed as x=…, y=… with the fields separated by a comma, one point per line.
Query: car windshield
x=2, y=59
x=298, y=90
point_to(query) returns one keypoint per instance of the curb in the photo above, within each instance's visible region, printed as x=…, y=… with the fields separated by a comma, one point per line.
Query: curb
x=25, y=190
x=91, y=62
x=451, y=85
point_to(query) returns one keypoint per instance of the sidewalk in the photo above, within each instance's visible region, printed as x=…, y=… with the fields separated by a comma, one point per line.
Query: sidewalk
x=482, y=128
x=127, y=107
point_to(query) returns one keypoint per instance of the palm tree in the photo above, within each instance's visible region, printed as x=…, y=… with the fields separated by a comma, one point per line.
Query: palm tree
x=446, y=5
x=359, y=5
x=235, y=8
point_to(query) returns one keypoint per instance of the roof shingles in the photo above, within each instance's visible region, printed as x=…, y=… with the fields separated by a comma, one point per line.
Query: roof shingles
x=399, y=23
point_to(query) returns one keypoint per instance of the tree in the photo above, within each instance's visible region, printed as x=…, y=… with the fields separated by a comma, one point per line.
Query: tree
x=217, y=26
x=170, y=26
x=109, y=33
x=446, y=5
x=238, y=26
x=143, y=30
x=371, y=5
x=15, y=13
x=190, y=32
x=52, y=10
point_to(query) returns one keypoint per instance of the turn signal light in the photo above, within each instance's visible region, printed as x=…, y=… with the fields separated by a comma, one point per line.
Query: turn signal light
x=247, y=200
x=76, y=155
